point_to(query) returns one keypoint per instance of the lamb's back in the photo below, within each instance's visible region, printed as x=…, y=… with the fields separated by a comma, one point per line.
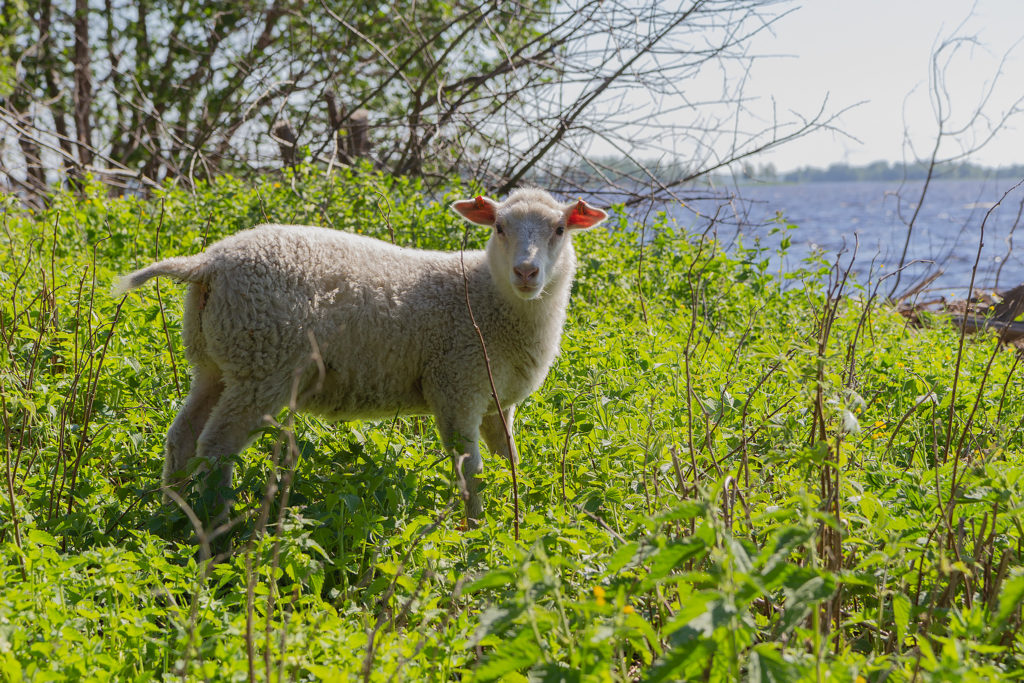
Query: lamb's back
x=378, y=313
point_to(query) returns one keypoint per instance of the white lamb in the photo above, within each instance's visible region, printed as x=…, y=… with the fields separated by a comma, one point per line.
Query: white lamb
x=391, y=324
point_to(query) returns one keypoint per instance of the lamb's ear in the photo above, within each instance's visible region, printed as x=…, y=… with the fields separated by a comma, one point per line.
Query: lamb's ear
x=479, y=210
x=581, y=215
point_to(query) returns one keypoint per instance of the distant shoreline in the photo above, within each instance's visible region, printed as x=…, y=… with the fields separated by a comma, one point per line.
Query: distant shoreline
x=880, y=171
x=620, y=170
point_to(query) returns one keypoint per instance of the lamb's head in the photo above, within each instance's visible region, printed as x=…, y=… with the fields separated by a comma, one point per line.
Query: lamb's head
x=530, y=231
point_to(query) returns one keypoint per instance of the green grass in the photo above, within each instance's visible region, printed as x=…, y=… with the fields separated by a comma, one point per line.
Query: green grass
x=726, y=475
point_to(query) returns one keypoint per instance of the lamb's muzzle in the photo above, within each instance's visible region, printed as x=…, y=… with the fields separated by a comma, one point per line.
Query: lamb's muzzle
x=391, y=324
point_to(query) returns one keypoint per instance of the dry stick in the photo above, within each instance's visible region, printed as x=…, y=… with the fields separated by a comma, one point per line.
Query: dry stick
x=205, y=565
x=730, y=378
x=647, y=455
x=270, y=490
x=456, y=593
x=960, y=351
x=1006, y=384
x=1009, y=244
x=687, y=351
x=138, y=499
x=68, y=404
x=565, y=446
x=371, y=644
x=955, y=482
x=744, y=463
x=930, y=396
x=90, y=398
x=565, y=123
x=941, y=518
x=647, y=325
x=385, y=214
x=494, y=390
x=197, y=525
x=977, y=400
x=10, y=487
x=640, y=273
x=160, y=303
x=289, y=476
x=830, y=544
x=917, y=209
x=28, y=388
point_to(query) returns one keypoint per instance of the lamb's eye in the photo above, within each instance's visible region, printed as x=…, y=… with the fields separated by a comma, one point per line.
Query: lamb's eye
x=499, y=228
x=560, y=230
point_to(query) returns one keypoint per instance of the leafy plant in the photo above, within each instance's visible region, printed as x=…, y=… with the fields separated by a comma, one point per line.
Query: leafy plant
x=728, y=474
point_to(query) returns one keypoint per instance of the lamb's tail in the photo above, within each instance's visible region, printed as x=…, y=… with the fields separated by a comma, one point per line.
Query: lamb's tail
x=186, y=268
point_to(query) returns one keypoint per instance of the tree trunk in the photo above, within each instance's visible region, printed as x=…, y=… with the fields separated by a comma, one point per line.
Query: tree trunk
x=51, y=77
x=83, y=84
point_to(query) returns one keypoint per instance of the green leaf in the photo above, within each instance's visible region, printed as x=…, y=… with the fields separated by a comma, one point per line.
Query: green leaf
x=768, y=666
x=40, y=537
x=668, y=558
x=694, y=642
x=683, y=663
x=494, y=621
x=785, y=541
x=801, y=601
x=1010, y=600
x=502, y=576
x=901, y=615
x=624, y=555
x=521, y=653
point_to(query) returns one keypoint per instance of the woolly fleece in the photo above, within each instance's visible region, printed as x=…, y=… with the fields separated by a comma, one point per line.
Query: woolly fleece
x=390, y=325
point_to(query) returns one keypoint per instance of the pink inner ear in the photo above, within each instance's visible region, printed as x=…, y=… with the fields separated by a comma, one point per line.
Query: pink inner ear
x=583, y=215
x=478, y=210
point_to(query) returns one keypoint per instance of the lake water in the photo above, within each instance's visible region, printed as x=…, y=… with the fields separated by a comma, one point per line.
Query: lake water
x=833, y=216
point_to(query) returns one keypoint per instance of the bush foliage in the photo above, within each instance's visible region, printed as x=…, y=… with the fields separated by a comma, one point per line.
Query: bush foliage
x=728, y=474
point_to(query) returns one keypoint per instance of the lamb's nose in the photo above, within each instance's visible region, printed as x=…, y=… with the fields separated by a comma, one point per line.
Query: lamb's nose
x=527, y=272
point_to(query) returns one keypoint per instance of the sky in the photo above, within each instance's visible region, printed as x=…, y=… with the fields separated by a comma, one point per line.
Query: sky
x=877, y=53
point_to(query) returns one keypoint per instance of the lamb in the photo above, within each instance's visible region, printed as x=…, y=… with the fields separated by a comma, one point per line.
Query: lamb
x=391, y=324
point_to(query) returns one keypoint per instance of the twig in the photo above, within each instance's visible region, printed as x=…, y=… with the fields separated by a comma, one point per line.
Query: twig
x=494, y=390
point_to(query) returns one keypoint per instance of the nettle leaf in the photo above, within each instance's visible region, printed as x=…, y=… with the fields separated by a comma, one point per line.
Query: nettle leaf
x=684, y=511
x=774, y=560
x=626, y=555
x=495, y=620
x=683, y=663
x=802, y=600
x=901, y=614
x=502, y=576
x=739, y=554
x=40, y=537
x=1010, y=601
x=668, y=558
x=693, y=644
x=768, y=666
x=513, y=656
x=553, y=672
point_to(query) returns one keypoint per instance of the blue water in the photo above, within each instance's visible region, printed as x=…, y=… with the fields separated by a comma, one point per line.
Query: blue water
x=834, y=217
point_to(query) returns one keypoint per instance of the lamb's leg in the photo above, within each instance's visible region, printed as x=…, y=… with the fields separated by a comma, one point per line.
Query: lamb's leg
x=493, y=432
x=188, y=425
x=239, y=412
x=462, y=443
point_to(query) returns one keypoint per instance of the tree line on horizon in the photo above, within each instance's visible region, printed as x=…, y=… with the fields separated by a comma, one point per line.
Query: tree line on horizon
x=883, y=170
x=619, y=171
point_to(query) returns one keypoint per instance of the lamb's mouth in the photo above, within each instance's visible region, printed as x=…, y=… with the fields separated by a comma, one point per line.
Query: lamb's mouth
x=528, y=291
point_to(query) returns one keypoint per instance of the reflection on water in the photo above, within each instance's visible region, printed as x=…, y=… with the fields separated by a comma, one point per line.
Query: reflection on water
x=835, y=216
